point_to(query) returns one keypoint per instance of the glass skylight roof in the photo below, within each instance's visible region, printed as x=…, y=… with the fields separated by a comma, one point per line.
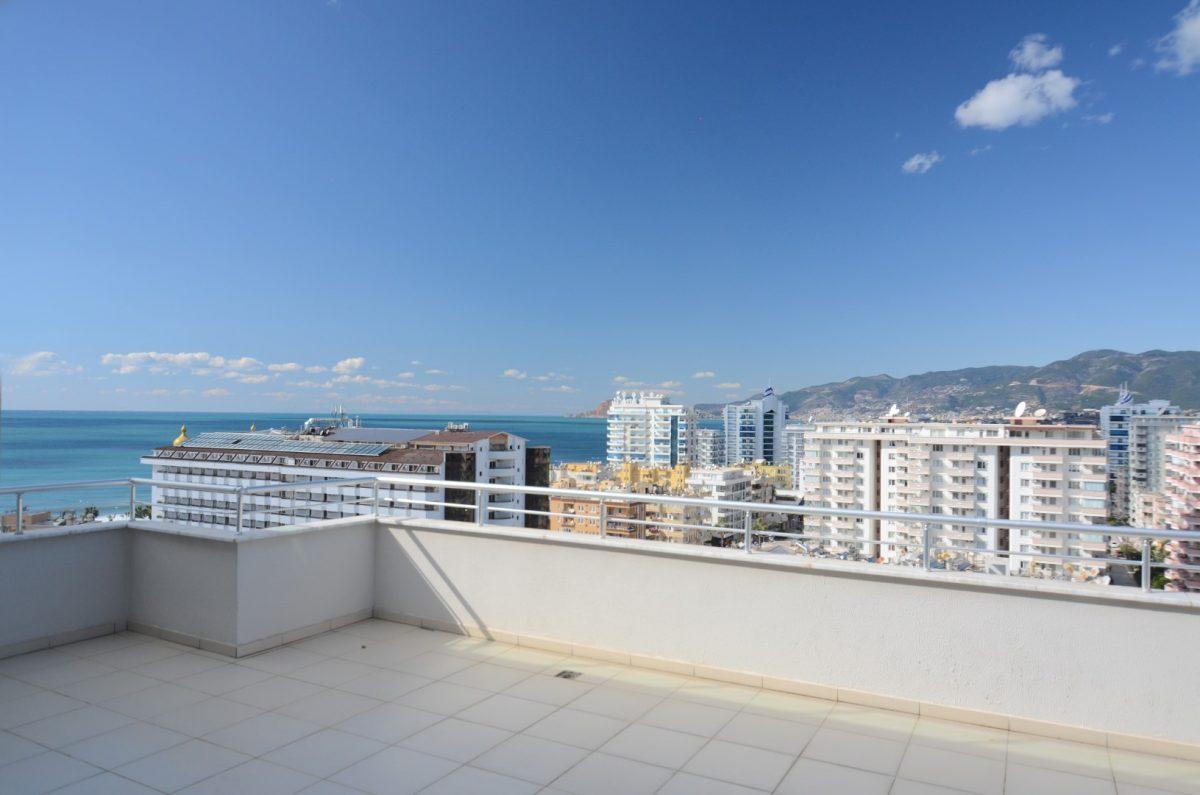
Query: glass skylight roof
x=283, y=444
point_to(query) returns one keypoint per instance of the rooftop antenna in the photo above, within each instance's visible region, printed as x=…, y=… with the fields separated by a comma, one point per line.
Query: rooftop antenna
x=1020, y=412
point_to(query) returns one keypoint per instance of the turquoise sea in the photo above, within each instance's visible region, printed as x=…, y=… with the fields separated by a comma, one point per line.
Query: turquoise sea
x=57, y=446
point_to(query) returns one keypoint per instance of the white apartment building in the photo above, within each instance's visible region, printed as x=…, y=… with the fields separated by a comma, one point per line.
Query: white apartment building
x=1150, y=422
x=721, y=483
x=1023, y=469
x=643, y=427
x=793, y=435
x=260, y=459
x=710, y=448
x=754, y=430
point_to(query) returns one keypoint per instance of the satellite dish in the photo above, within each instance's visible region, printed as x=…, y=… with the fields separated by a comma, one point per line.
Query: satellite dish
x=893, y=411
x=1020, y=412
x=907, y=413
x=1039, y=413
x=810, y=418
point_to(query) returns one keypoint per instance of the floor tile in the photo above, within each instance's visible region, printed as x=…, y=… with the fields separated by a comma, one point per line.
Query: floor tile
x=643, y=680
x=136, y=654
x=71, y=727
x=876, y=754
x=689, y=784
x=1026, y=780
x=443, y=698
x=574, y=727
x=876, y=722
x=433, y=665
x=903, y=786
x=12, y=688
x=56, y=676
x=654, y=745
x=332, y=672
x=455, y=739
x=223, y=679
x=255, y=777
x=1070, y=757
x=968, y=772
x=170, y=669
x=716, y=694
x=384, y=685
x=106, y=784
x=530, y=759
x=262, y=733
x=771, y=734
x=274, y=692
x=281, y=661
x=13, y=748
x=34, y=661
x=105, y=643
x=506, y=712
x=528, y=659
x=43, y=773
x=549, y=689
x=962, y=737
x=813, y=777
x=687, y=716
x=330, y=788
x=181, y=765
x=205, y=716
x=473, y=781
x=126, y=744
x=740, y=764
x=616, y=702
x=789, y=707
x=389, y=723
x=35, y=706
x=324, y=753
x=1178, y=775
x=377, y=629
x=151, y=701
x=328, y=707
x=108, y=686
x=489, y=676
x=395, y=771
x=602, y=774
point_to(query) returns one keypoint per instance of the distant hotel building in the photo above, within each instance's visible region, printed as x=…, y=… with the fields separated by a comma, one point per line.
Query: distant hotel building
x=1134, y=435
x=257, y=459
x=710, y=448
x=754, y=430
x=644, y=428
x=1178, y=505
x=1020, y=470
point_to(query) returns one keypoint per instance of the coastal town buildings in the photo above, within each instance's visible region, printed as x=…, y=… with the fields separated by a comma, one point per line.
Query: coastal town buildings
x=582, y=515
x=710, y=448
x=1134, y=438
x=1177, y=507
x=643, y=427
x=754, y=430
x=793, y=436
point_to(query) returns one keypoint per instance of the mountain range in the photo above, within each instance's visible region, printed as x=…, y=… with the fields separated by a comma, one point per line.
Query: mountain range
x=1087, y=381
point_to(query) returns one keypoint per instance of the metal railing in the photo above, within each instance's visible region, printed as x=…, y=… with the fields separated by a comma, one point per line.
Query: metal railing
x=383, y=499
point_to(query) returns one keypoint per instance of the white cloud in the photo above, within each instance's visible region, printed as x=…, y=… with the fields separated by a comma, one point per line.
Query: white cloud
x=42, y=363
x=314, y=368
x=286, y=367
x=704, y=374
x=1018, y=99
x=279, y=395
x=1116, y=49
x=1033, y=54
x=198, y=363
x=670, y=384
x=1180, y=49
x=443, y=388
x=980, y=150
x=215, y=393
x=436, y=372
x=513, y=372
x=406, y=374
x=349, y=365
x=729, y=385
x=308, y=384
x=627, y=382
x=921, y=162
x=1100, y=118
x=254, y=379
x=563, y=388
x=553, y=376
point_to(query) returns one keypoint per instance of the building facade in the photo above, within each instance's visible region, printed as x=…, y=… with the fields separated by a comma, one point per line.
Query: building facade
x=754, y=430
x=793, y=436
x=581, y=515
x=710, y=448
x=723, y=483
x=1129, y=429
x=1178, y=505
x=644, y=428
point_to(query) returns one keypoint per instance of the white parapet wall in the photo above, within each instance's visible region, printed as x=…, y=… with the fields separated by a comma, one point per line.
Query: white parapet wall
x=1077, y=655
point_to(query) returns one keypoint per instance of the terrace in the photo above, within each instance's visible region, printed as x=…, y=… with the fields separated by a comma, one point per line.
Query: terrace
x=377, y=654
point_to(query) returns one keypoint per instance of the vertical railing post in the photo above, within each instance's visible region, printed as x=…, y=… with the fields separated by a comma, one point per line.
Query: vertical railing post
x=1146, y=578
x=240, y=496
x=132, y=501
x=375, y=496
x=20, y=513
x=603, y=519
x=926, y=543
x=480, y=506
x=748, y=530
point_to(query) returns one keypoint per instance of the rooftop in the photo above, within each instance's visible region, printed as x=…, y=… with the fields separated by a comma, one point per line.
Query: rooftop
x=383, y=707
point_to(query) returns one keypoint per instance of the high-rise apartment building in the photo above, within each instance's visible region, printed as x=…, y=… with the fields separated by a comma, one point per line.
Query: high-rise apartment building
x=1178, y=505
x=644, y=428
x=724, y=483
x=793, y=435
x=1134, y=437
x=754, y=430
x=710, y=448
x=1023, y=469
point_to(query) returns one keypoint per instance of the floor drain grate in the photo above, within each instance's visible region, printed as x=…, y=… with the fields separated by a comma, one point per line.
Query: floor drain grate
x=568, y=674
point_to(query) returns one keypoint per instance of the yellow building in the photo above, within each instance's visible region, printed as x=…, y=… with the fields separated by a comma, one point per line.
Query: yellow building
x=668, y=480
x=576, y=515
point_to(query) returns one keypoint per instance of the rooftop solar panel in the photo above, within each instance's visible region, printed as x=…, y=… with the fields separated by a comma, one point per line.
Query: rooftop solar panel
x=282, y=444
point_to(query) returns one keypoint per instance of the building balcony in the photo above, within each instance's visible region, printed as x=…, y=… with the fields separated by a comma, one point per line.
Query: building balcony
x=374, y=653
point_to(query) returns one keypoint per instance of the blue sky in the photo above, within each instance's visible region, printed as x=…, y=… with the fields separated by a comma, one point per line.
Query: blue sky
x=395, y=204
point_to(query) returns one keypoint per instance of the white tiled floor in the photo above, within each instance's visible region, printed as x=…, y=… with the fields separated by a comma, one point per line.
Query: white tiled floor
x=379, y=707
